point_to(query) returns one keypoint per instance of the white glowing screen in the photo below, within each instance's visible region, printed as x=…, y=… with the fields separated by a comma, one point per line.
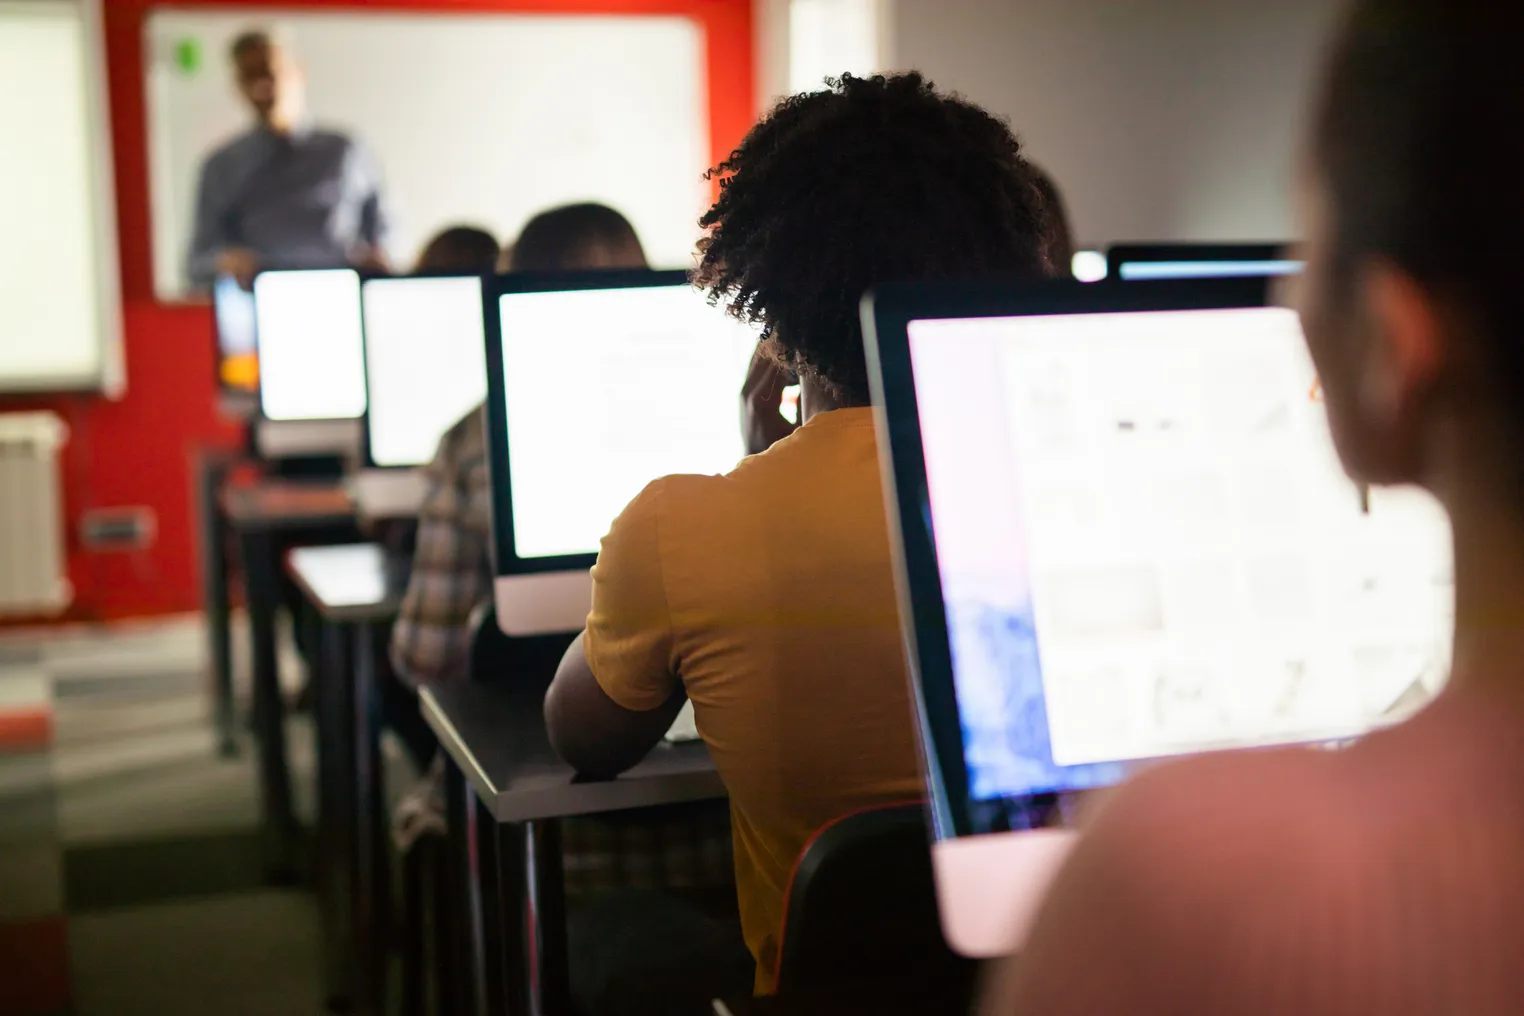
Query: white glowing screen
x=311, y=353
x=608, y=390
x=425, y=363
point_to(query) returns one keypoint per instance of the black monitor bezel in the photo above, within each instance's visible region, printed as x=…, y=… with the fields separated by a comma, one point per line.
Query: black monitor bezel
x=359, y=312
x=887, y=313
x=1120, y=254
x=367, y=460
x=506, y=561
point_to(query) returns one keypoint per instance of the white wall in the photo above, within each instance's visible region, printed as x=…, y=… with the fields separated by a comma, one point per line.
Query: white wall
x=1160, y=119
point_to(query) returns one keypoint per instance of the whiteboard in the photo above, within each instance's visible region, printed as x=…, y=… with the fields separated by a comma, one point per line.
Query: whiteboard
x=473, y=118
x=60, y=308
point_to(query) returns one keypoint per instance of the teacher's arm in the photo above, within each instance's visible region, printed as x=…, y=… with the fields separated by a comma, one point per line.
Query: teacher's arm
x=209, y=233
x=375, y=222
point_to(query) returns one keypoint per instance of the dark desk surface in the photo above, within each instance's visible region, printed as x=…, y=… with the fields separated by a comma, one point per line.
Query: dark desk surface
x=346, y=583
x=287, y=504
x=495, y=733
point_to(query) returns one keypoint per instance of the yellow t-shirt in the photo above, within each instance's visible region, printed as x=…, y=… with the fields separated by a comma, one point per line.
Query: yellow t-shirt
x=769, y=593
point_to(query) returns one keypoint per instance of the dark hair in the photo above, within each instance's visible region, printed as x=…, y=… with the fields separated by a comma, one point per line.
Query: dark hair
x=1419, y=139
x=587, y=235
x=248, y=41
x=1059, y=233
x=871, y=180
x=464, y=249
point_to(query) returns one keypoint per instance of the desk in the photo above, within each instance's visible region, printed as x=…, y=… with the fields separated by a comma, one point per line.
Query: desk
x=495, y=737
x=348, y=587
x=260, y=515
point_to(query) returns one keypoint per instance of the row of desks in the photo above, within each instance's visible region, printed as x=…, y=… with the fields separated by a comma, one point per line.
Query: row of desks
x=507, y=789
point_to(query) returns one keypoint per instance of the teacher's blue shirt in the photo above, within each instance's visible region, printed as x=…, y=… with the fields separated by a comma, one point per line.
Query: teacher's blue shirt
x=309, y=199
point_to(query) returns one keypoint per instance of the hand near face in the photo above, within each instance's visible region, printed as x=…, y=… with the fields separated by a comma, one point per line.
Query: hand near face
x=762, y=422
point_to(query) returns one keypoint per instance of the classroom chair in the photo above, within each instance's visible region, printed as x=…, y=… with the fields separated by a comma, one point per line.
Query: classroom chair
x=861, y=913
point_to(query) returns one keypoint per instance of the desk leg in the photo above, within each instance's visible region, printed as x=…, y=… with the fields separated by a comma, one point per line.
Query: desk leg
x=458, y=969
x=335, y=811
x=481, y=899
x=372, y=879
x=214, y=595
x=259, y=567
x=533, y=915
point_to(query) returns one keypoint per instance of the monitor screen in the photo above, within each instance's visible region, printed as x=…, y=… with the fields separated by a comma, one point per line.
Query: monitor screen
x=237, y=360
x=1147, y=547
x=607, y=390
x=425, y=363
x=311, y=351
x=1130, y=271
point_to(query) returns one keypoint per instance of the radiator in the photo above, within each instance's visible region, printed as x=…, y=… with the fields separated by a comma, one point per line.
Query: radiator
x=34, y=575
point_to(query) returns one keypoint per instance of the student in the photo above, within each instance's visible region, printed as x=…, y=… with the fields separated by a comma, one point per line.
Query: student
x=452, y=569
x=1387, y=878
x=464, y=250
x=766, y=595
x=452, y=576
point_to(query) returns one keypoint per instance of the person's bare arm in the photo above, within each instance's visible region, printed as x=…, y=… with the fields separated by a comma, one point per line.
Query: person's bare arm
x=589, y=730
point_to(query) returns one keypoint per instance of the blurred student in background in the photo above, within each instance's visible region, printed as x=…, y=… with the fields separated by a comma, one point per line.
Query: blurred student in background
x=460, y=250
x=1387, y=878
x=452, y=569
x=284, y=194
x=642, y=949
x=767, y=595
x=463, y=250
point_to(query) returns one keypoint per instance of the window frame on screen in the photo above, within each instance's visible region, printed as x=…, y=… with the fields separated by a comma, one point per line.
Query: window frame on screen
x=1120, y=254
x=887, y=313
x=506, y=562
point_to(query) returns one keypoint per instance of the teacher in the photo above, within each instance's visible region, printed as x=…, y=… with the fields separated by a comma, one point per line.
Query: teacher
x=284, y=194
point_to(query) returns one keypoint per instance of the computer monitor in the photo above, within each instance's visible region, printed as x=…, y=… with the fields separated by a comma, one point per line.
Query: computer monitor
x=1122, y=533
x=237, y=355
x=1134, y=262
x=598, y=383
x=425, y=363
x=310, y=345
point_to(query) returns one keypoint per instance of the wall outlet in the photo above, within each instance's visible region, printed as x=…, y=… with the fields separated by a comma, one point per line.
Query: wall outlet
x=119, y=529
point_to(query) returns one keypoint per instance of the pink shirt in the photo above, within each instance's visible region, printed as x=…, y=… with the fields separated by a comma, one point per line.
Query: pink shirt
x=1388, y=878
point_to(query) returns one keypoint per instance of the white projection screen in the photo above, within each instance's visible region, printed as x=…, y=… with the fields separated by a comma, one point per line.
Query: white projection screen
x=61, y=330
x=482, y=119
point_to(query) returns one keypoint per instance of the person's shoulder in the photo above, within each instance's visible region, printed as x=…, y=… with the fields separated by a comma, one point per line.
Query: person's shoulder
x=462, y=446
x=1222, y=827
x=338, y=141
x=231, y=151
x=1177, y=870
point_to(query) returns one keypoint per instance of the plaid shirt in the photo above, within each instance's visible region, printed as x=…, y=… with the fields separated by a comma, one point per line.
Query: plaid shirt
x=685, y=847
x=452, y=566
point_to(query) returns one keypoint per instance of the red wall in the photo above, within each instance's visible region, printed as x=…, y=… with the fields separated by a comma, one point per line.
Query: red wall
x=137, y=451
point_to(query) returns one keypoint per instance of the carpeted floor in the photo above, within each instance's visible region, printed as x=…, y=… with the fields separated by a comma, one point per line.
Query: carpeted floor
x=129, y=868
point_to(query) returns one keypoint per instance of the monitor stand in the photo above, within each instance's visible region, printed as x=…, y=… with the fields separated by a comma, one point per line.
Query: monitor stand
x=288, y=439
x=548, y=603
x=989, y=887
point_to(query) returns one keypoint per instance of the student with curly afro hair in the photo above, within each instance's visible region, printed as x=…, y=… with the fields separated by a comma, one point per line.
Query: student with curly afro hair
x=766, y=596
x=875, y=179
